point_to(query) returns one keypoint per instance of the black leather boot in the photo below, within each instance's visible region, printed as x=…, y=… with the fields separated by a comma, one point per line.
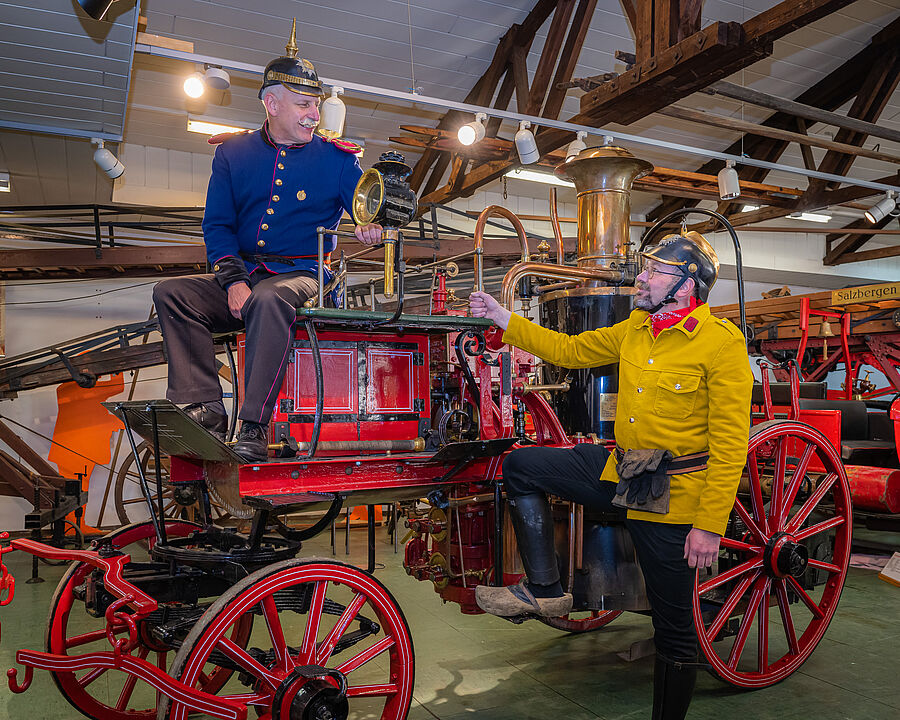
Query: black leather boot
x=252, y=442
x=215, y=423
x=673, y=688
x=533, y=523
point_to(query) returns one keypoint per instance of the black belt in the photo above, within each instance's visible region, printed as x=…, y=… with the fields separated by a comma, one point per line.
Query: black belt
x=259, y=259
x=680, y=465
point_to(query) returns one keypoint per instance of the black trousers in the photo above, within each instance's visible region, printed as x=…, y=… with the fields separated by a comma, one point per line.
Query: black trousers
x=574, y=474
x=191, y=308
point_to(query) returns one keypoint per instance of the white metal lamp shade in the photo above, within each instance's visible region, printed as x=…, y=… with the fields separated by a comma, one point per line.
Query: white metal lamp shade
x=577, y=145
x=526, y=145
x=472, y=132
x=729, y=184
x=332, y=115
x=881, y=209
x=107, y=162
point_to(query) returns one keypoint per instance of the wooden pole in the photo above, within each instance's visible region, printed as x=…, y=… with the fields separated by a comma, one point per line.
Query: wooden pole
x=705, y=118
x=773, y=102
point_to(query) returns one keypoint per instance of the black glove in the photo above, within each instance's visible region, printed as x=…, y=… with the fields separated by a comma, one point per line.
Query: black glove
x=643, y=473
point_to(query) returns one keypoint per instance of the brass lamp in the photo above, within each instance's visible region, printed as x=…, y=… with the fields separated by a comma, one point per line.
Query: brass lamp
x=383, y=196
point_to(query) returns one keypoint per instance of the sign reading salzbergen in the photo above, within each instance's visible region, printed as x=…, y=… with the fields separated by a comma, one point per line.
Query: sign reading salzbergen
x=866, y=293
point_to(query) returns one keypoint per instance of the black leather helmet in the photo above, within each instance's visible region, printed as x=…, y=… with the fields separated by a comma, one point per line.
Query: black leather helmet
x=693, y=256
x=296, y=74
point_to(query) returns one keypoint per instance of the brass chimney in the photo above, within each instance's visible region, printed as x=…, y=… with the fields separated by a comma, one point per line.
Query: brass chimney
x=603, y=177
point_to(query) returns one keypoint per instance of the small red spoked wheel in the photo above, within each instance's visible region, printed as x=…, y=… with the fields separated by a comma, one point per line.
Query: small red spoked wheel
x=99, y=693
x=783, y=563
x=581, y=622
x=332, y=639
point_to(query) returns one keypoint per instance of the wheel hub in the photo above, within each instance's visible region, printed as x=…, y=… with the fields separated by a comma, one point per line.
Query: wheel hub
x=305, y=694
x=784, y=557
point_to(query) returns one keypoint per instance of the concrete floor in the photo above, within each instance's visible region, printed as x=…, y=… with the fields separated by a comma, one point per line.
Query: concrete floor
x=484, y=667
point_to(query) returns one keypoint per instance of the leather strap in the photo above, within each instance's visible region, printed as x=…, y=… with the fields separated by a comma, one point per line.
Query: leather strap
x=681, y=465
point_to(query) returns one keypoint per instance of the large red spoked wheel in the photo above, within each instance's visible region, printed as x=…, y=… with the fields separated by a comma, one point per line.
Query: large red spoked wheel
x=581, y=622
x=333, y=640
x=99, y=693
x=780, y=574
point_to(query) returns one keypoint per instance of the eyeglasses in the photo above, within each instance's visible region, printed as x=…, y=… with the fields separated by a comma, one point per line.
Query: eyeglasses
x=651, y=271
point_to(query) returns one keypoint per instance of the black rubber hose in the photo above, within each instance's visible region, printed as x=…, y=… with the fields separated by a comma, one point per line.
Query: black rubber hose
x=235, y=392
x=320, y=387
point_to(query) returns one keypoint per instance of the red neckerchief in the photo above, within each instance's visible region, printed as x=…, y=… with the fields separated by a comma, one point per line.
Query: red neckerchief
x=663, y=319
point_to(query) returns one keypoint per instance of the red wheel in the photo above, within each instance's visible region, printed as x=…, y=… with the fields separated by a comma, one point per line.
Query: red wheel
x=333, y=639
x=117, y=696
x=783, y=563
x=581, y=622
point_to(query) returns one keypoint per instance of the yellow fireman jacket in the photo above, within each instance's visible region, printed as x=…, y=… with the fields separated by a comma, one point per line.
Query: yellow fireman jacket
x=687, y=390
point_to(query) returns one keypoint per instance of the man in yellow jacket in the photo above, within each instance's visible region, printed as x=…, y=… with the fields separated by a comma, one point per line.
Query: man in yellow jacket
x=682, y=425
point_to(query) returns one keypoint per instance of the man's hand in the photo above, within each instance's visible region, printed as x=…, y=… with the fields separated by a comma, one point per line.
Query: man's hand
x=701, y=548
x=237, y=296
x=368, y=234
x=483, y=305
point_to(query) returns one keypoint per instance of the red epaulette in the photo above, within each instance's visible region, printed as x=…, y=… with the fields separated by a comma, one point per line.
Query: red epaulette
x=346, y=145
x=222, y=137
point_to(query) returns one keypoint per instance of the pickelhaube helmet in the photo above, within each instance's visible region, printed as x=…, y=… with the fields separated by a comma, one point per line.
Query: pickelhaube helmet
x=296, y=74
x=692, y=254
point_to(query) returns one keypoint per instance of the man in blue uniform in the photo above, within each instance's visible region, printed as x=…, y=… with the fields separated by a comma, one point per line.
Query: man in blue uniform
x=269, y=191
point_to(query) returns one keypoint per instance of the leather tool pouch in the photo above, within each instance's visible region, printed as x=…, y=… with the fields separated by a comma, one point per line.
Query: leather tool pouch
x=643, y=480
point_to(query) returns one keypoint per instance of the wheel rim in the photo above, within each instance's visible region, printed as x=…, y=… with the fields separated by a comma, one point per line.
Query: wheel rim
x=116, y=696
x=131, y=506
x=764, y=564
x=339, y=600
x=576, y=622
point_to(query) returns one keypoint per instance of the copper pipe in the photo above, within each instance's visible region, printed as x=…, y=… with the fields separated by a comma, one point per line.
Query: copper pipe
x=557, y=233
x=479, y=238
x=555, y=272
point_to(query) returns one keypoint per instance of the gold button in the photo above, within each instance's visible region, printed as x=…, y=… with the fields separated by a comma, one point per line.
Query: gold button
x=281, y=166
x=265, y=227
x=270, y=211
x=275, y=198
x=216, y=268
x=278, y=181
x=283, y=153
x=261, y=243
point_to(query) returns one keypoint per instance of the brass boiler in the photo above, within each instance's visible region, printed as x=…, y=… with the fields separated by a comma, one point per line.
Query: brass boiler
x=603, y=178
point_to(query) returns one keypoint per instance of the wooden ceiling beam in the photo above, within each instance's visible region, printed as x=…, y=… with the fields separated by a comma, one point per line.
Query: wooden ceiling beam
x=802, y=110
x=832, y=91
x=729, y=123
x=483, y=91
x=708, y=55
x=549, y=55
x=581, y=22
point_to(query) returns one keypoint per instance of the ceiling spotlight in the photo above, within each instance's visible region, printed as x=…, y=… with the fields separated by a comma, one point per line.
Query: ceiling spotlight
x=332, y=115
x=97, y=9
x=106, y=161
x=729, y=184
x=526, y=145
x=882, y=208
x=194, y=85
x=577, y=145
x=217, y=78
x=472, y=132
